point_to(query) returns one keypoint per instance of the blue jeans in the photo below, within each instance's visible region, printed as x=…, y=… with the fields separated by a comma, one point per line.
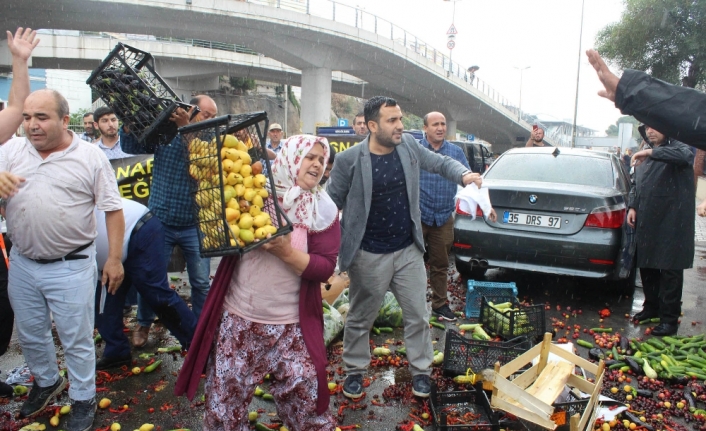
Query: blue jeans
x=146, y=271
x=198, y=268
x=66, y=290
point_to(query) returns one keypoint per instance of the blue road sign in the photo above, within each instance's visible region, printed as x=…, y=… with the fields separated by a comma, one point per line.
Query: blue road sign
x=471, y=137
x=342, y=122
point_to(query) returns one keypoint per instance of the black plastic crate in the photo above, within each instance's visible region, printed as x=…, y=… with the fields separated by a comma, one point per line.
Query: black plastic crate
x=128, y=83
x=221, y=153
x=461, y=354
x=446, y=406
x=562, y=414
x=527, y=321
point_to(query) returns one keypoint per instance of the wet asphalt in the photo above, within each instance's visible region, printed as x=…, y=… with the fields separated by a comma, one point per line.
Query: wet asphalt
x=149, y=397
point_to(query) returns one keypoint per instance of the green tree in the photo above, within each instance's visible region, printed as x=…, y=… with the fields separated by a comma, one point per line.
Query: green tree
x=412, y=122
x=665, y=38
x=612, y=130
x=242, y=85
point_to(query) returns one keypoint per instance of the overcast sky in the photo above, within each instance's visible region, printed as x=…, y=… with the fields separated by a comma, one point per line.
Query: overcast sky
x=498, y=35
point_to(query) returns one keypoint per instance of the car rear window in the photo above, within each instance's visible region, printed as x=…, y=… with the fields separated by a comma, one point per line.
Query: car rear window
x=567, y=169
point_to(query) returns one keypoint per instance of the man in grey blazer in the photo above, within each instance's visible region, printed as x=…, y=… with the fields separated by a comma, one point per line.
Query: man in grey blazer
x=376, y=184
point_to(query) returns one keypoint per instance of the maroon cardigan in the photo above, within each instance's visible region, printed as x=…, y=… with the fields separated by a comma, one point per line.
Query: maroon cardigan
x=323, y=251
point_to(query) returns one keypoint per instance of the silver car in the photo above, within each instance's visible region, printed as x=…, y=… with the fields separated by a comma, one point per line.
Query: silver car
x=559, y=211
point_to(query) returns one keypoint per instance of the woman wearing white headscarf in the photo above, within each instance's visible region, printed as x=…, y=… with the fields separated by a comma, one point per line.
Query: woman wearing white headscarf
x=271, y=315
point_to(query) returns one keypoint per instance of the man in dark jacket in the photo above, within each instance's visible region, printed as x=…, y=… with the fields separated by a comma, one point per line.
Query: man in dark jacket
x=661, y=209
x=679, y=112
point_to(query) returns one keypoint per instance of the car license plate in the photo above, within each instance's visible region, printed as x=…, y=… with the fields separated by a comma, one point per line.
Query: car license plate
x=532, y=220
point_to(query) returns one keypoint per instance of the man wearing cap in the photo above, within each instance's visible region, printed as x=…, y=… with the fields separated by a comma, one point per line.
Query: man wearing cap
x=274, y=135
x=52, y=180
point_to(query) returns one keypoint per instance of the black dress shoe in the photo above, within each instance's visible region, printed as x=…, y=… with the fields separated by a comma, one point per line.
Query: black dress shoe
x=644, y=315
x=105, y=363
x=665, y=329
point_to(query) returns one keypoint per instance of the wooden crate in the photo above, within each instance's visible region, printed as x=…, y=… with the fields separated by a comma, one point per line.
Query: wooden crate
x=529, y=396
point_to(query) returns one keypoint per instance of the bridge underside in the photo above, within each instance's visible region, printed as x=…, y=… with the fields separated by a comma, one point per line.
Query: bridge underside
x=304, y=42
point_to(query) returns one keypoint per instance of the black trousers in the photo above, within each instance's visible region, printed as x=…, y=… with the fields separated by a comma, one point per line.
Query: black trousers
x=7, y=317
x=663, y=288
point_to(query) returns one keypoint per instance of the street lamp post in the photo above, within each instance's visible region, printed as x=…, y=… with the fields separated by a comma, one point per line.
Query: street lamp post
x=519, y=108
x=578, y=75
x=451, y=37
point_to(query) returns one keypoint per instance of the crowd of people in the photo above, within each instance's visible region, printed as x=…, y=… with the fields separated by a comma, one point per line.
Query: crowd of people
x=380, y=204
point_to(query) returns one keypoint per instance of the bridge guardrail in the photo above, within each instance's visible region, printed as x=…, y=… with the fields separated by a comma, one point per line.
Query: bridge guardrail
x=363, y=20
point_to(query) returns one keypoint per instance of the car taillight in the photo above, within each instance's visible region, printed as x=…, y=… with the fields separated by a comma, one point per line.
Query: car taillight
x=610, y=217
x=479, y=212
x=459, y=211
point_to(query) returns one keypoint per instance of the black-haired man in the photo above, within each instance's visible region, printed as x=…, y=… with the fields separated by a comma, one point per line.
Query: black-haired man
x=107, y=124
x=661, y=209
x=89, y=128
x=376, y=184
x=359, y=124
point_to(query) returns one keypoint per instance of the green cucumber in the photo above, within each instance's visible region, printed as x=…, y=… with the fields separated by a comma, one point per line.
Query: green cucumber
x=657, y=343
x=585, y=344
x=438, y=325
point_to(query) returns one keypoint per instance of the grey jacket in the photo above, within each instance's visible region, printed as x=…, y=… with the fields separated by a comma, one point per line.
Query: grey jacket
x=351, y=188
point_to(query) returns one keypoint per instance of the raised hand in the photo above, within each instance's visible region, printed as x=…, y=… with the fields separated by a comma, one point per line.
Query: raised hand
x=608, y=78
x=22, y=44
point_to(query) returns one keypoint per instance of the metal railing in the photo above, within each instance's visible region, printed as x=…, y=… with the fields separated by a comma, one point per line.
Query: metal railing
x=191, y=42
x=363, y=20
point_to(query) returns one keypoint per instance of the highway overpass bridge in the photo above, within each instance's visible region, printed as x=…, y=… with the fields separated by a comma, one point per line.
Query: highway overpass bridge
x=387, y=59
x=184, y=66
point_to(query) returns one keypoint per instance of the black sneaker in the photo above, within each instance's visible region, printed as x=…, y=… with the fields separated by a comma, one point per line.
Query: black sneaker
x=421, y=385
x=82, y=413
x=39, y=397
x=6, y=391
x=106, y=363
x=353, y=386
x=445, y=313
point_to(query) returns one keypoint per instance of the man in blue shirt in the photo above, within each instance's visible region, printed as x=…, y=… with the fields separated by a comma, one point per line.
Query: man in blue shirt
x=436, y=202
x=172, y=203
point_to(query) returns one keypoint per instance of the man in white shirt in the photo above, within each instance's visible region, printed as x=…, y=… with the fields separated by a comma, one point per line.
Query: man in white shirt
x=51, y=181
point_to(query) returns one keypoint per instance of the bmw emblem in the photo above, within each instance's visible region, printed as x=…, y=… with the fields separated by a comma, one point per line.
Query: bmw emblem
x=533, y=199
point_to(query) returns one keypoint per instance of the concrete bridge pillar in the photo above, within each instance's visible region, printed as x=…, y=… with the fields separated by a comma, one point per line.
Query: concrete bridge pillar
x=316, y=98
x=450, y=129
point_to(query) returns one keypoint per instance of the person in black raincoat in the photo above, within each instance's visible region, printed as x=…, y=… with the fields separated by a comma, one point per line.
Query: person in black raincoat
x=661, y=209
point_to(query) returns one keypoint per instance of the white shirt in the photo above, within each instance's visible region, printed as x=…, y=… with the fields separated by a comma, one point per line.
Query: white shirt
x=52, y=213
x=133, y=212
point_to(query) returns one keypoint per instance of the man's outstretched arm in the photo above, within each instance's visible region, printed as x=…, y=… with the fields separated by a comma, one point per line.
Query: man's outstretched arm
x=21, y=46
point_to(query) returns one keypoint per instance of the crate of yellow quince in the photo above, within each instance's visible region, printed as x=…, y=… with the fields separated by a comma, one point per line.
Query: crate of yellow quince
x=235, y=203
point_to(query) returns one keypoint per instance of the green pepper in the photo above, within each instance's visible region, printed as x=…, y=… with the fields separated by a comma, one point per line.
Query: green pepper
x=584, y=343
